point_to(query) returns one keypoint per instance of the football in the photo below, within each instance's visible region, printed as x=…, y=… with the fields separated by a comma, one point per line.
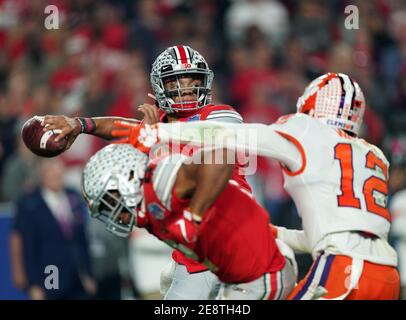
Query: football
x=42, y=143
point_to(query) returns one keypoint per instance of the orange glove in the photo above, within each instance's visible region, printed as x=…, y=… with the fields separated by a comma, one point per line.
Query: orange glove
x=141, y=136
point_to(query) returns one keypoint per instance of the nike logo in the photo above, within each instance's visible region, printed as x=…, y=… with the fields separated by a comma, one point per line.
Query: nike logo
x=182, y=226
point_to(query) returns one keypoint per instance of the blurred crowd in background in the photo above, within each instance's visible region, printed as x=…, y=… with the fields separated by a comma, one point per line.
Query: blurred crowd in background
x=263, y=53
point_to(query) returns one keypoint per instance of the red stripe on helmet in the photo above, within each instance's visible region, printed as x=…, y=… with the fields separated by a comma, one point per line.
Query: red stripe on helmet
x=182, y=53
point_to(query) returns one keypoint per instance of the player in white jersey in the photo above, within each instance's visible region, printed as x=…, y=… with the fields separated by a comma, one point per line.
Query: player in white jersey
x=337, y=181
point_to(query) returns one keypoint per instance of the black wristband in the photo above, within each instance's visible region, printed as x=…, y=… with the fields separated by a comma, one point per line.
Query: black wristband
x=88, y=125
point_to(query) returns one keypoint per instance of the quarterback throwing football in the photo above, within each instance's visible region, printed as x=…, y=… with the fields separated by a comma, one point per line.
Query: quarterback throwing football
x=181, y=80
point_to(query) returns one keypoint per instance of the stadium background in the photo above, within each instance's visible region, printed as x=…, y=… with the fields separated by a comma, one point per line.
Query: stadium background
x=263, y=53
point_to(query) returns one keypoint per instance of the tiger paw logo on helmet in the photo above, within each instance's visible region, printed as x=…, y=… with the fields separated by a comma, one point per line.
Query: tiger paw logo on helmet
x=335, y=99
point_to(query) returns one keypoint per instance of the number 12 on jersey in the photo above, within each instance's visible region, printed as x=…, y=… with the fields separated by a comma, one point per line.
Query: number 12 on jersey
x=344, y=154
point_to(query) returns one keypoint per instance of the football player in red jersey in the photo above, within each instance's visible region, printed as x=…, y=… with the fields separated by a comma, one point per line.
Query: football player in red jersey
x=181, y=81
x=197, y=208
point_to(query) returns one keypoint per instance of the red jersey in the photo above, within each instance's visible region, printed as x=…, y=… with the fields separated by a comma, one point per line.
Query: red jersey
x=211, y=112
x=234, y=239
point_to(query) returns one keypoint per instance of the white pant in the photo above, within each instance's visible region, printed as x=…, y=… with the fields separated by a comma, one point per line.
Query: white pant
x=178, y=284
x=270, y=286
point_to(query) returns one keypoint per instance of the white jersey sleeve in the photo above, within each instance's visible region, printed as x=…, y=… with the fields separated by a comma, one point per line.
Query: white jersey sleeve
x=295, y=239
x=257, y=139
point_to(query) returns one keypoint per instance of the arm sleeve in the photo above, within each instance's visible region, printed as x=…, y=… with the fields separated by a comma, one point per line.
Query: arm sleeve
x=296, y=239
x=259, y=139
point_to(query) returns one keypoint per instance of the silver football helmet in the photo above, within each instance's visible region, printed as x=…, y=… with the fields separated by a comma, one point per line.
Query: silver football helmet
x=176, y=62
x=111, y=184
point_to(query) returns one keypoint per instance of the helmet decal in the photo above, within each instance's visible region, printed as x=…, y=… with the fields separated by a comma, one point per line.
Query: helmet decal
x=182, y=54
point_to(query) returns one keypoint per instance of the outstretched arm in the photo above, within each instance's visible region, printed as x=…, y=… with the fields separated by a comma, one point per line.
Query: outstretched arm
x=260, y=139
x=98, y=126
x=72, y=127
